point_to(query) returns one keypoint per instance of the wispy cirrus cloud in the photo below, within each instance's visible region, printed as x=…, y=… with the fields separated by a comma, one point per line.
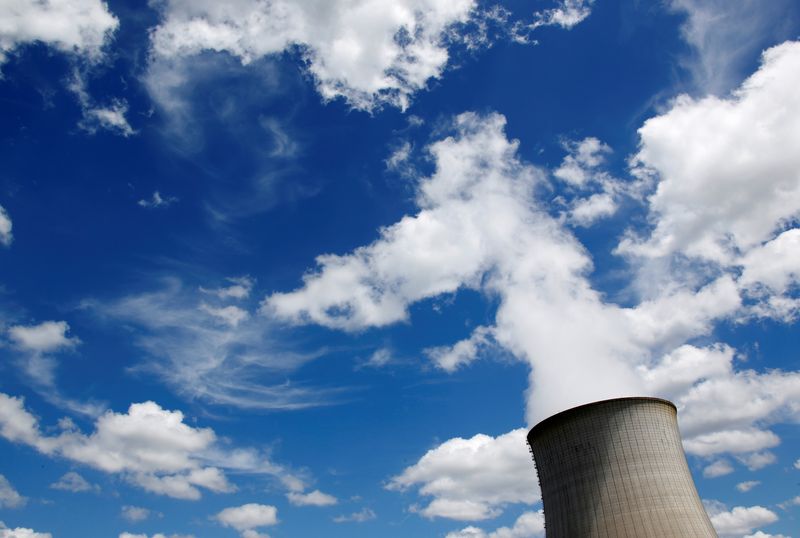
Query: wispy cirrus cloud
x=208, y=349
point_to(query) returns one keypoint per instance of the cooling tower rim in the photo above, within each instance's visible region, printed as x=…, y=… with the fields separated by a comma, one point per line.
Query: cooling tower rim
x=565, y=415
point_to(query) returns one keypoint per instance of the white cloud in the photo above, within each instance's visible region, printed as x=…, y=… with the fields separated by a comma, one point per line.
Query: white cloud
x=6, y=237
x=583, y=159
x=473, y=479
x=775, y=265
x=740, y=520
x=240, y=288
x=760, y=534
x=746, y=486
x=361, y=516
x=724, y=35
x=46, y=337
x=248, y=516
x=313, y=498
x=528, y=525
x=21, y=532
x=758, y=460
x=450, y=358
x=135, y=514
x=718, y=468
x=110, y=117
x=39, y=343
x=379, y=358
x=568, y=14
x=360, y=51
x=149, y=446
x=74, y=482
x=9, y=497
x=538, y=271
x=724, y=188
x=156, y=201
x=218, y=353
x=73, y=26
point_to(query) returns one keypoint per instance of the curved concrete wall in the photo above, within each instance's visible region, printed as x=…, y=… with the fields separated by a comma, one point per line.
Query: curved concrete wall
x=616, y=469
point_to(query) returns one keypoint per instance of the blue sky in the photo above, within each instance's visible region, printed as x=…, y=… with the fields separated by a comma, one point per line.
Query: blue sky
x=313, y=268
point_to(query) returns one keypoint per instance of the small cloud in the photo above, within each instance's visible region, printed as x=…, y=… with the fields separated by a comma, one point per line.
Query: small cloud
x=567, y=15
x=718, y=468
x=5, y=228
x=231, y=315
x=240, y=288
x=157, y=201
x=356, y=517
x=9, y=497
x=744, y=487
x=757, y=460
x=134, y=514
x=398, y=160
x=46, y=337
x=75, y=483
x=315, y=498
x=248, y=517
x=378, y=359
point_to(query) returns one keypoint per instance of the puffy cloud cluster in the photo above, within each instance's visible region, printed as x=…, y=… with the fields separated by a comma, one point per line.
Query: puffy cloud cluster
x=727, y=176
x=21, y=532
x=722, y=194
x=362, y=51
x=150, y=446
x=528, y=525
x=740, y=520
x=473, y=479
x=74, y=26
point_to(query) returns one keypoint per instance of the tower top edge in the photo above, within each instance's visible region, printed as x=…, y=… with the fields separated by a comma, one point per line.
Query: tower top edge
x=563, y=416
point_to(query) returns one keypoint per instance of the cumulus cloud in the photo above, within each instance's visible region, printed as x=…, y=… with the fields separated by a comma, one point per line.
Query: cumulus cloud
x=758, y=460
x=46, y=337
x=740, y=520
x=360, y=51
x=73, y=26
x=9, y=497
x=591, y=192
x=473, y=479
x=6, y=237
x=528, y=525
x=149, y=446
x=248, y=517
x=361, y=516
x=724, y=189
x=21, y=532
x=74, y=482
x=313, y=498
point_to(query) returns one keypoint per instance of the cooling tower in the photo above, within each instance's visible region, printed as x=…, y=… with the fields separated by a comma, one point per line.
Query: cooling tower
x=616, y=469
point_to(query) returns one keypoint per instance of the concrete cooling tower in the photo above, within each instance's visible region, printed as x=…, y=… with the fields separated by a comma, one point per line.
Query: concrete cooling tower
x=616, y=469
